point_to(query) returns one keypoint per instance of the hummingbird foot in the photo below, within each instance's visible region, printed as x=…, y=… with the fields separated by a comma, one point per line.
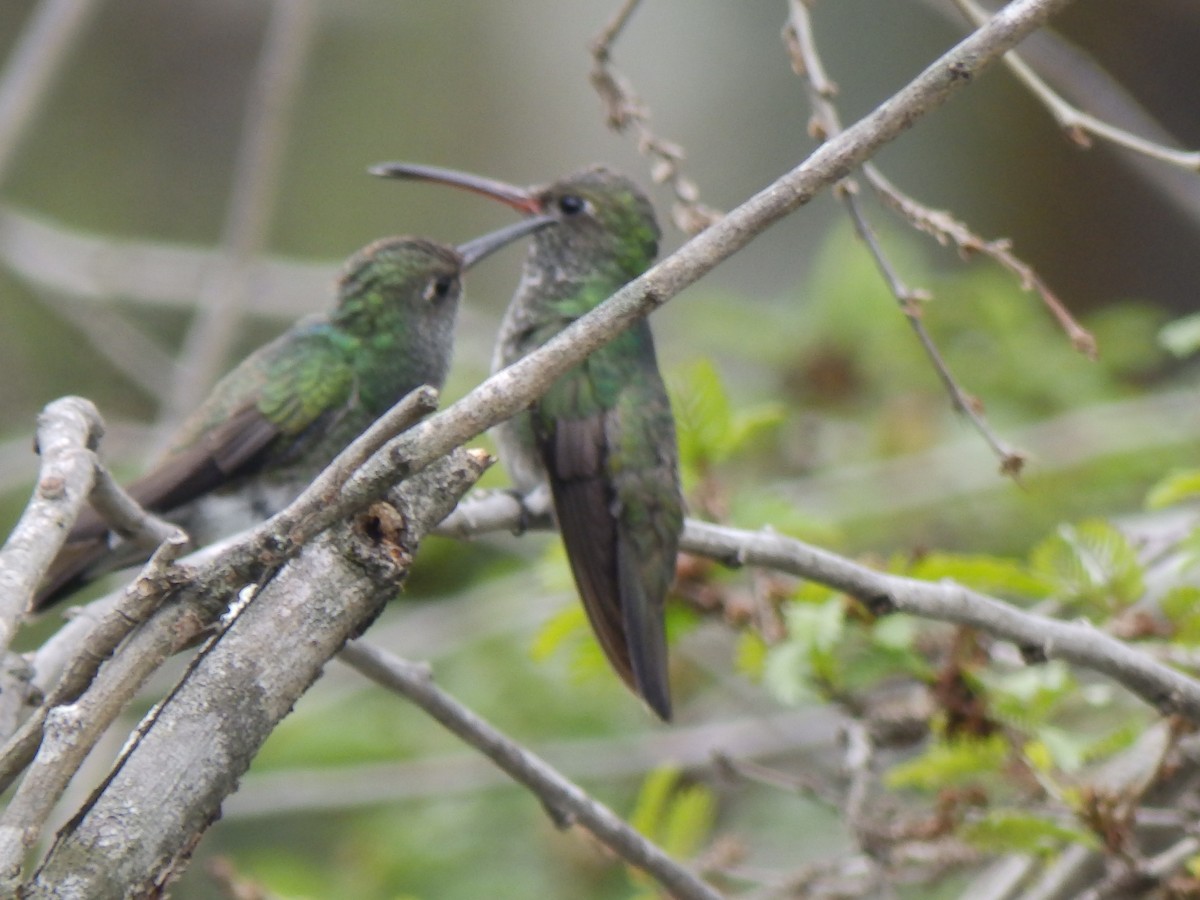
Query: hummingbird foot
x=534, y=507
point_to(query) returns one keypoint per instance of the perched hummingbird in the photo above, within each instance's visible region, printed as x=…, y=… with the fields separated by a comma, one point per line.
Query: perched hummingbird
x=602, y=436
x=282, y=415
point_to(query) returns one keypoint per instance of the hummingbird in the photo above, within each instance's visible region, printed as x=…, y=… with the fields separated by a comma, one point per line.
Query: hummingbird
x=277, y=419
x=602, y=437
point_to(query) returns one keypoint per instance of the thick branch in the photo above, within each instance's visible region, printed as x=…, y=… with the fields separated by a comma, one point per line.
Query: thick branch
x=168, y=787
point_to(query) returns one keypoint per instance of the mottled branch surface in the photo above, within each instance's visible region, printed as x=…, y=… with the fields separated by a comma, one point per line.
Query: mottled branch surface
x=169, y=785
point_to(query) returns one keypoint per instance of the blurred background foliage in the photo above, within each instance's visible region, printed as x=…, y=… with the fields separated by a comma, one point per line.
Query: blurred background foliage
x=803, y=400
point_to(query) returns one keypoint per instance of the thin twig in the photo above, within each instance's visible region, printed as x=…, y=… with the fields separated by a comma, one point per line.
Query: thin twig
x=806, y=62
x=1076, y=642
x=857, y=767
x=1080, y=126
x=945, y=228
x=125, y=516
x=45, y=44
x=256, y=177
x=555, y=791
x=624, y=110
x=68, y=430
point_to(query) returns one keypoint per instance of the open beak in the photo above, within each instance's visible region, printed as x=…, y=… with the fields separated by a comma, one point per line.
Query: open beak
x=475, y=250
x=518, y=198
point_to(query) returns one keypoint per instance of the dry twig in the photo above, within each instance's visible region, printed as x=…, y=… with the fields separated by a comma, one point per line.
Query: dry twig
x=625, y=111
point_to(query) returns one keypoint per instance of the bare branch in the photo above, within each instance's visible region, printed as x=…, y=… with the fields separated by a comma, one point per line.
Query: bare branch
x=1159, y=685
x=624, y=110
x=256, y=177
x=1076, y=642
x=559, y=795
x=62, y=733
x=68, y=430
x=168, y=786
x=806, y=62
x=45, y=44
x=1080, y=126
x=946, y=228
x=92, y=644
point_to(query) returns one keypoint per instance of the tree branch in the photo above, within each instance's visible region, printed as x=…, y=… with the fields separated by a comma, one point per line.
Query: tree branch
x=564, y=799
x=168, y=786
x=46, y=42
x=256, y=177
x=1159, y=685
x=1079, y=126
x=514, y=388
x=623, y=111
x=68, y=430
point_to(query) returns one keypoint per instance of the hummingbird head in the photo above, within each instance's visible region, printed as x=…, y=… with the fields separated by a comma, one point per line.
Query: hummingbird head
x=405, y=291
x=401, y=291
x=603, y=218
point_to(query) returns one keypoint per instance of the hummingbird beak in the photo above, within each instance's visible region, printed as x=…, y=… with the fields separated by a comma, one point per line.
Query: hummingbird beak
x=518, y=198
x=473, y=251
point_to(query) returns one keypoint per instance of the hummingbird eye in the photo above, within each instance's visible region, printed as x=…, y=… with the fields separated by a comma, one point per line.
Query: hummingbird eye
x=439, y=288
x=571, y=204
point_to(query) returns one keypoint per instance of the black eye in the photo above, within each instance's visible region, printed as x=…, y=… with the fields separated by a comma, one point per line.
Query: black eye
x=441, y=287
x=570, y=204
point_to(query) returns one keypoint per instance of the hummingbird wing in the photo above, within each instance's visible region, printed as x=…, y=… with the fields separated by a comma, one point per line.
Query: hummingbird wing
x=297, y=384
x=613, y=475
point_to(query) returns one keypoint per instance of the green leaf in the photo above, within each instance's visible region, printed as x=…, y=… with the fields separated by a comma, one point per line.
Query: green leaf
x=690, y=819
x=1015, y=831
x=1181, y=605
x=650, y=807
x=787, y=674
x=1067, y=750
x=752, y=424
x=1028, y=697
x=1181, y=601
x=750, y=655
x=815, y=626
x=568, y=632
x=677, y=816
x=990, y=574
x=1175, y=487
x=702, y=415
x=1182, y=336
x=949, y=763
x=1091, y=564
x=709, y=429
x=564, y=627
x=1114, y=742
x=896, y=632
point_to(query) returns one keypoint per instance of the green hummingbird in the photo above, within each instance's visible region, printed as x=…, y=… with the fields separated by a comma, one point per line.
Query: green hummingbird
x=602, y=436
x=282, y=415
